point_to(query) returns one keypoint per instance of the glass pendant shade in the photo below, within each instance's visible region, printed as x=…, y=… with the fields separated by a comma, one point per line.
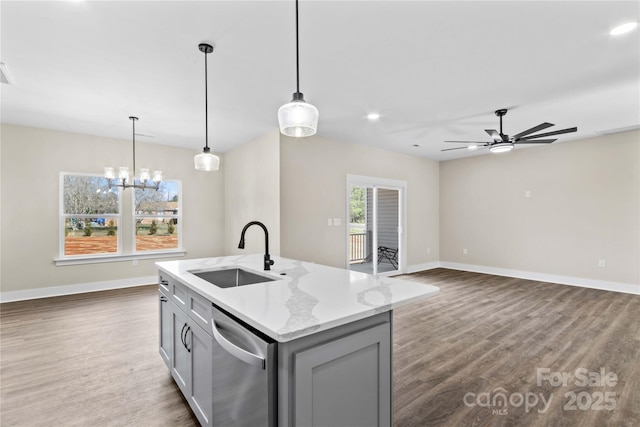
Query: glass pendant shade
x=157, y=176
x=123, y=173
x=144, y=174
x=206, y=161
x=298, y=118
x=109, y=173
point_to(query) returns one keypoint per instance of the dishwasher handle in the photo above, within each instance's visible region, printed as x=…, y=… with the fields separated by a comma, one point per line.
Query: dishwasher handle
x=240, y=353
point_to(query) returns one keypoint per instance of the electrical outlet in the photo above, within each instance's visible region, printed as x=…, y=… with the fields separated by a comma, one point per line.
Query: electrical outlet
x=602, y=263
x=428, y=251
x=465, y=251
x=527, y=193
x=135, y=262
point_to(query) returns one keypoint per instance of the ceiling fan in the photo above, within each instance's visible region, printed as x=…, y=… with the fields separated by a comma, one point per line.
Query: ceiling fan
x=502, y=142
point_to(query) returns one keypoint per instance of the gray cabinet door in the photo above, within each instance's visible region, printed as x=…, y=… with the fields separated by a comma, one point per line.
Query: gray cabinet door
x=201, y=390
x=345, y=382
x=180, y=360
x=165, y=337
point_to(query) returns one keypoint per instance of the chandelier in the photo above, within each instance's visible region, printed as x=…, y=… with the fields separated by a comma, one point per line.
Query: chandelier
x=125, y=180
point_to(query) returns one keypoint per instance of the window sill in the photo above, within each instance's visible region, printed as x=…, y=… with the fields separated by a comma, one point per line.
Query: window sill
x=97, y=259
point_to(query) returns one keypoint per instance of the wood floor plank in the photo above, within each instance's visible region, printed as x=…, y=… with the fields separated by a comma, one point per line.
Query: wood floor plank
x=530, y=325
x=92, y=359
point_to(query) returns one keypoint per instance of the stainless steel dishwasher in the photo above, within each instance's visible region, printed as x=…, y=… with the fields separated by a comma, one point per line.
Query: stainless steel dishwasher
x=244, y=388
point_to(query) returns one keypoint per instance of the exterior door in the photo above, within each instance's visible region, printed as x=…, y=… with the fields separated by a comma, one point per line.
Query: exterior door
x=375, y=238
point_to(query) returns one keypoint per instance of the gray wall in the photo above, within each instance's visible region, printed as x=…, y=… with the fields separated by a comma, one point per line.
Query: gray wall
x=252, y=192
x=31, y=162
x=313, y=175
x=584, y=204
x=583, y=207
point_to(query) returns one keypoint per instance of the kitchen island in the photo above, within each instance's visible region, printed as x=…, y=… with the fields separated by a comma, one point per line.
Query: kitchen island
x=327, y=334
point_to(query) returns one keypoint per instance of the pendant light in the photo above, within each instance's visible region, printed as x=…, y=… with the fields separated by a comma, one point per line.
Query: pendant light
x=206, y=161
x=144, y=179
x=298, y=118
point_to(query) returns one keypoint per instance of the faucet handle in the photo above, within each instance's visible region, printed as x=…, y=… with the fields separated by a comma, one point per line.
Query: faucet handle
x=268, y=262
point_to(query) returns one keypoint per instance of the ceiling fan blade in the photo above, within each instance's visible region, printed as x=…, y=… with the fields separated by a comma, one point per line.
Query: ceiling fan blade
x=535, y=141
x=470, y=142
x=478, y=147
x=457, y=148
x=555, y=132
x=494, y=134
x=533, y=129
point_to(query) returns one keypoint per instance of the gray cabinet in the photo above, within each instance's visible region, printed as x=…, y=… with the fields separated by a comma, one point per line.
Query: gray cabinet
x=165, y=337
x=200, y=394
x=345, y=382
x=185, y=346
x=180, y=366
x=338, y=377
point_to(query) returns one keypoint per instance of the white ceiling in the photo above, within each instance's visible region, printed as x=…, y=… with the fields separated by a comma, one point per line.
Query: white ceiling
x=434, y=70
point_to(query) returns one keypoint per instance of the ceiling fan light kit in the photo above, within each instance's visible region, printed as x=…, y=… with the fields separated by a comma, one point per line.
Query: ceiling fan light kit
x=502, y=143
x=501, y=147
x=298, y=118
x=206, y=161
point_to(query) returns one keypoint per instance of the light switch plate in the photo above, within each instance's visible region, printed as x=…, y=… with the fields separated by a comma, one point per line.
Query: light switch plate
x=337, y=221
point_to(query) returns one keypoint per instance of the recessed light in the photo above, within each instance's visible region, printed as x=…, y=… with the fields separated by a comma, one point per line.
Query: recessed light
x=372, y=117
x=472, y=147
x=624, y=28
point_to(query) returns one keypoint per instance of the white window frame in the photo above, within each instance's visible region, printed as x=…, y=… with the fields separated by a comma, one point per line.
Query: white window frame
x=122, y=254
x=178, y=217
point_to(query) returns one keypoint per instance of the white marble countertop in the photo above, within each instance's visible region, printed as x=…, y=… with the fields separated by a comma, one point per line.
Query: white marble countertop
x=307, y=299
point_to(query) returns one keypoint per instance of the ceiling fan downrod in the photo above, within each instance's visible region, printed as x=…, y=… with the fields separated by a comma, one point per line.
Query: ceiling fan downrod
x=501, y=113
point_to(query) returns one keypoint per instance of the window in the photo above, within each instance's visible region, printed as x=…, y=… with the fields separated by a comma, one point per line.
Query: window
x=157, y=218
x=90, y=216
x=102, y=223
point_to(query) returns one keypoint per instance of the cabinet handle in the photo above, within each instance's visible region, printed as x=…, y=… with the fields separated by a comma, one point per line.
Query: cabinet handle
x=164, y=282
x=185, y=339
x=182, y=335
x=240, y=353
x=163, y=299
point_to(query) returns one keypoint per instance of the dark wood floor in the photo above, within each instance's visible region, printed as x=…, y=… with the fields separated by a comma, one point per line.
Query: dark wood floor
x=92, y=359
x=486, y=335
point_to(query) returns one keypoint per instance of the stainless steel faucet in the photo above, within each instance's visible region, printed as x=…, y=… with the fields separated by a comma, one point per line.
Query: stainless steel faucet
x=267, y=258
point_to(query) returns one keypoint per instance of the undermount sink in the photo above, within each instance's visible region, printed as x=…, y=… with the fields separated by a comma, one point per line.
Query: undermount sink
x=231, y=277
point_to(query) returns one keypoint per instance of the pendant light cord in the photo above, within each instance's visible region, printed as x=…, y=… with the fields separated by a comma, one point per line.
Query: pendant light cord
x=206, y=104
x=133, y=172
x=297, y=54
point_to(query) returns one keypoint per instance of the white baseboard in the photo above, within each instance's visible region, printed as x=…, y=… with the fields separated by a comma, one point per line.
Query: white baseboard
x=628, y=288
x=423, y=267
x=80, y=288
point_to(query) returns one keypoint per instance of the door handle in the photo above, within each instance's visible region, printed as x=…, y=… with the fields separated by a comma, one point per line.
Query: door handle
x=240, y=353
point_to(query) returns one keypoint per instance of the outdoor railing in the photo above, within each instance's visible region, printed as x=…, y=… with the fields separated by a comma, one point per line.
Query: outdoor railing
x=357, y=247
